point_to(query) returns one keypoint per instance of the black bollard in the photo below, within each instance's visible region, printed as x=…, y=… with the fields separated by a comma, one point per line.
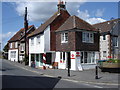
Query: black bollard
x=96, y=72
x=69, y=71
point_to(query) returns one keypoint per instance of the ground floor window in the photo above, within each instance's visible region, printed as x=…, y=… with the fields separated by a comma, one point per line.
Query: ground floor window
x=62, y=57
x=88, y=57
x=13, y=54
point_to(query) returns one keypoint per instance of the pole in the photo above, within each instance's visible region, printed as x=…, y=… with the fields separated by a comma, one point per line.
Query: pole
x=69, y=64
x=26, y=28
x=96, y=72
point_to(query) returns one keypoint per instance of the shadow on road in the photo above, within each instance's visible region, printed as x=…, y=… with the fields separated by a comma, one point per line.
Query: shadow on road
x=11, y=81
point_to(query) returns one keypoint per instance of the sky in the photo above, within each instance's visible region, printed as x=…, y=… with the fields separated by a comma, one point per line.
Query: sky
x=38, y=12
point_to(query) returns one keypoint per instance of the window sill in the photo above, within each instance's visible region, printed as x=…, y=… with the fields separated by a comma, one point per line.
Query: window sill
x=64, y=42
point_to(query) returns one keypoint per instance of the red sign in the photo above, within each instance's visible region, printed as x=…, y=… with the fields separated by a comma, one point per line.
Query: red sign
x=72, y=56
x=77, y=54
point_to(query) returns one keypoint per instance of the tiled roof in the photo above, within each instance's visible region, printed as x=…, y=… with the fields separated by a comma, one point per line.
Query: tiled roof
x=45, y=25
x=17, y=36
x=105, y=26
x=75, y=22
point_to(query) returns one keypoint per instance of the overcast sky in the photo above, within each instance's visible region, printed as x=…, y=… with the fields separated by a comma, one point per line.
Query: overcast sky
x=39, y=12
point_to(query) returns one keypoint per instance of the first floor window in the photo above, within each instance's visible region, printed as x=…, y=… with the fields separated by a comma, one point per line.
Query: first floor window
x=32, y=41
x=64, y=37
x=38, y=39
x=16, y=44
x=87, y=37
x=104, y=37
x=104, y=53
x=10, y=45
x=115, y=41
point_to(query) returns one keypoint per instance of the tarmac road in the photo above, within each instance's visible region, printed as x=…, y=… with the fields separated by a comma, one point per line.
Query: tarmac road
x=16, y=77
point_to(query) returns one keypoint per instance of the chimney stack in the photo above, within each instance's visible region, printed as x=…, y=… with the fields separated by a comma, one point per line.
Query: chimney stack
x=61, y=6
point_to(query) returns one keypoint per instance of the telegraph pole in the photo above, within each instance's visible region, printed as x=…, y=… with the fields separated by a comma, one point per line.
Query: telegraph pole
x=26, y=28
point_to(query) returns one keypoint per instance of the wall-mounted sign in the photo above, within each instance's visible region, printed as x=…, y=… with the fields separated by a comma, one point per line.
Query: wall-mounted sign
x=72, y=56
x=77, y=54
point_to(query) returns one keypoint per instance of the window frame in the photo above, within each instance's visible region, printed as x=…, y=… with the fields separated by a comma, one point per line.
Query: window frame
x=64, y=37
x=86, y=37
x=11, y=45
x=16, y=44
x=32, y=41
x=38, y=39
x=104, y=53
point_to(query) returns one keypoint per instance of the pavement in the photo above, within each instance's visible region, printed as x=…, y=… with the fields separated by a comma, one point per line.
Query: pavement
x=86, y=76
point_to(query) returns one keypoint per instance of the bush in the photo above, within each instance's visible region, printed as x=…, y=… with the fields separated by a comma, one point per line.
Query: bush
x=113, y=61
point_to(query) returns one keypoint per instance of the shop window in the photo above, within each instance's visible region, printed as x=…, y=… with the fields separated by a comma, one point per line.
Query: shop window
x=87, y=57
x=37, y=57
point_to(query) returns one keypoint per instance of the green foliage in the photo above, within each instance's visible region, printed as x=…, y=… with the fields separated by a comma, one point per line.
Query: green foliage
x=5, y=49
x=113, y=61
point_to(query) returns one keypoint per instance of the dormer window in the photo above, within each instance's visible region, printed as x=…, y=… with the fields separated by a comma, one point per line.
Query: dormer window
x=64, y=37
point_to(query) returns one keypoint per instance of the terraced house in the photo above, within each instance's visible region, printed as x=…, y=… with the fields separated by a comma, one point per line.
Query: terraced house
x=16, y=50
x=109, y=39
x=64, y=37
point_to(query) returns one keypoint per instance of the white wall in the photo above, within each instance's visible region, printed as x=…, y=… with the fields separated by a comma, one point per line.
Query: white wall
x=47, y=39
x=104, y=47
x=37, y=48
x=9, y=55
x=44, y=45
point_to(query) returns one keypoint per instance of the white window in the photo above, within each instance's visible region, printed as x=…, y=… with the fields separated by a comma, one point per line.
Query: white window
x=87, y=37
x=13, y=54
x=88, y=58
x=64, y=37
x=62, y=57
x=32, y=41
x=16, y=44
x=115, y=41
x=104, y=54
x=10, y=45
x=22, y=48
x=38, y=39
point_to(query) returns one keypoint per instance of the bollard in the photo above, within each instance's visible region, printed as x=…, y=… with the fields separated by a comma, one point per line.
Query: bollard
x=68, y=71
x=96, y=72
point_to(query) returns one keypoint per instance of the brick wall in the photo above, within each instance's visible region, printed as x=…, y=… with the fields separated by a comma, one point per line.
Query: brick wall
x=55, y=25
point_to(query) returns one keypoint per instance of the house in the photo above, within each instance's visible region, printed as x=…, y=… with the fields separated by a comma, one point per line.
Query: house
x=17, y=44
x=109, y=39
x=77, y=41
x=42, y=41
